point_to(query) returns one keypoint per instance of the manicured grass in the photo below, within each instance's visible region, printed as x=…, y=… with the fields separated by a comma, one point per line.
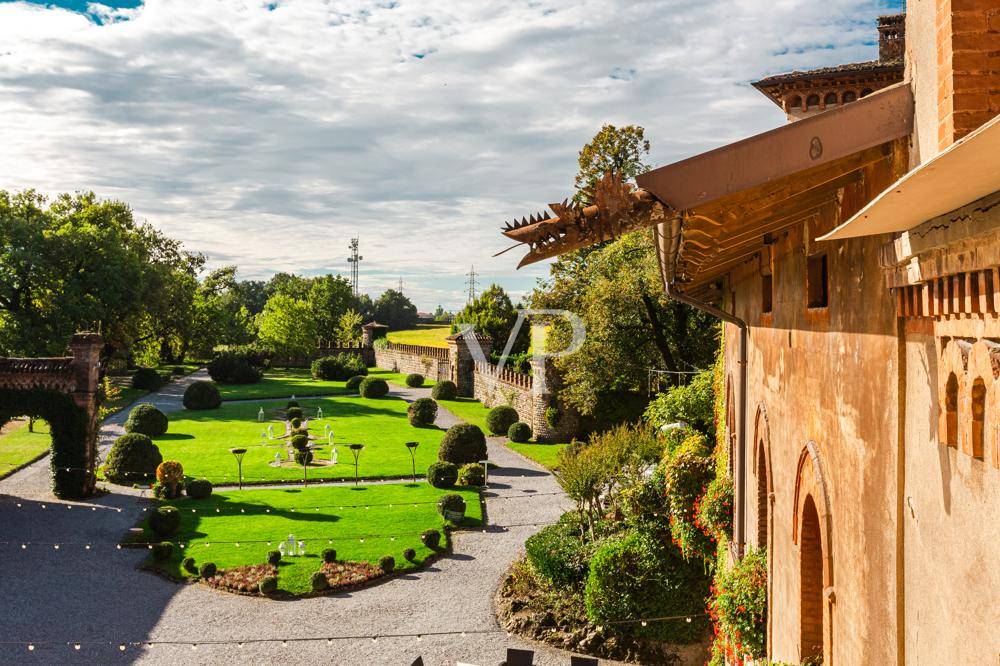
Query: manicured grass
x=19, y=447
x=397, y=378
x=546, y=455
x=469, y=410
x=428, y=335
x=313, y=515
x=282, y=383
x=200, y=440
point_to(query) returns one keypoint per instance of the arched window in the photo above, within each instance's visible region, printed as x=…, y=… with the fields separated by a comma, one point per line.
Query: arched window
x=812, y=102
x=762, y=512
x=866, y=92
x=830, y=99
x=951, y=411
x=848, y=97
x=793, y=102
x=810, y=584
x=978, y=417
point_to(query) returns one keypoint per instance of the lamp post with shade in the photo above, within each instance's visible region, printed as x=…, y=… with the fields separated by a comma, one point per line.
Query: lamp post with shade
x=239, y=453
x=356, y=450
x=412, y=446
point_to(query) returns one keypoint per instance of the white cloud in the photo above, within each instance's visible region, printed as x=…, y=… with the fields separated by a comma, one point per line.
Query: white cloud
x=268, y=138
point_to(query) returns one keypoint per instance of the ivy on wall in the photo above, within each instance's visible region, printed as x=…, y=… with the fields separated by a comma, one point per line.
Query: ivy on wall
x=68, y=426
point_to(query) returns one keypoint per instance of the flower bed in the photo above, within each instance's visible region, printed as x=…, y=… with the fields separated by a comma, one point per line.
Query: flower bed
x=244, y=580
x=341, y=575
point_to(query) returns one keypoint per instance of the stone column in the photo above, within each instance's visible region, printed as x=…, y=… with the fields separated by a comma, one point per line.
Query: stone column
x=86, y=351
x=544, y=388
x=461, y=362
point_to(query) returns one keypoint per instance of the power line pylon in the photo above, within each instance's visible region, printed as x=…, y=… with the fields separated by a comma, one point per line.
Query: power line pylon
x=354, y=260
x=471, y=283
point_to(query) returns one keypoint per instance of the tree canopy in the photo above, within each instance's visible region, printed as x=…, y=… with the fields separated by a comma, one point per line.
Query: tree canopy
x=493, y=314
x=395, y=310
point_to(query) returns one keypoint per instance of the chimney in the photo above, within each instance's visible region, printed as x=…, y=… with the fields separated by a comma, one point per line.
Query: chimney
x=891, y=37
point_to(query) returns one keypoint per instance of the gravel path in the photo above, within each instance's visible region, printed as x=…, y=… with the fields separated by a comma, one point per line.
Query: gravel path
x=97, y=595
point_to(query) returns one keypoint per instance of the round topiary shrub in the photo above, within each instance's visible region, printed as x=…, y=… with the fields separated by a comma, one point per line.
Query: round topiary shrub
x=169, y=479
x=445, y=390
x=162, y=551
x=208, y=569
x=500, y=419
x=354, y=382
x=387, y=563
x=147, y=379
x=472, y=474
x=294, y=414
x=452, y=507
x=414, y=380
x=319, y=581
x=133, y=458
x=339, y=368
x=299, y=431
x=442, y=474
x=189, y=565
x=292, y=403
x=199, y=489
x=274, y=557
x=146, y=420
x=519, y=432
x=430, y=538
x=373, y=387
x=303, y=457
x=165, y=521
x=410, y=555
x=268, y=585
x=330, y=555
x=463, y=443
x=422, y=412
x=299, y=442
x=202, y=395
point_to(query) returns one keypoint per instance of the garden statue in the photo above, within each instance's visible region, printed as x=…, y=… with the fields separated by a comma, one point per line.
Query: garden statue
x=277, y=459
x=302, y=548
x=291, y=455
x=327, y=429
x=333, y=456
x=270, y=432
x=291, y=544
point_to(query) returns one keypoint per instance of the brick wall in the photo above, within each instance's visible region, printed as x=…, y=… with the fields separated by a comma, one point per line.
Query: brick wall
x=431, y=362
x=324, y=348
x=531, y=400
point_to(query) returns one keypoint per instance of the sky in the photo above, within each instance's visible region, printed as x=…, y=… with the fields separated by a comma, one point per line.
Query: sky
x=266, y=134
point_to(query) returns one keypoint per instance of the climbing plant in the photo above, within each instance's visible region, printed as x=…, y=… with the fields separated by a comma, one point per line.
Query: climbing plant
x=68, y=426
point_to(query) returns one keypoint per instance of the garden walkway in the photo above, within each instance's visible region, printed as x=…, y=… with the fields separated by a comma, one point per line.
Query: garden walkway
x=98, y=595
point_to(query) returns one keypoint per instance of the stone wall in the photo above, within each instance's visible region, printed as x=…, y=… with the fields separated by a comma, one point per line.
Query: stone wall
x=431, y=362
x=325, y=348
x=529, y=397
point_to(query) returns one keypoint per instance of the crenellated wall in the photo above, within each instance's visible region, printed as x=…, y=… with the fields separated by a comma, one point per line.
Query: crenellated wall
x=431, y=362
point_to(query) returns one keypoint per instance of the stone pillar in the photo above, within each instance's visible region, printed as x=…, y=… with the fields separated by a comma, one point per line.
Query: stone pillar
x=461, y=362
x=86, y=351
x=545, y=386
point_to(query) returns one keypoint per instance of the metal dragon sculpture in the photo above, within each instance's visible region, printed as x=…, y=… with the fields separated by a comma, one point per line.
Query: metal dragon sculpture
x=617, y=209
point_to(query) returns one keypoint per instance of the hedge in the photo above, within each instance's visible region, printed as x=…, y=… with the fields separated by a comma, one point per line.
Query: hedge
x=234, y=367
x=133, y=458
x=500, y=419
x=558, y=554
x=146, y=419
x=422, y=412
x=147, y=379
x=414, y=380
x=442, y=474
x=445, y=390
x=202, y=395
x=373, y=387
x=339, y=368
x=463, y=443
x=519, y=432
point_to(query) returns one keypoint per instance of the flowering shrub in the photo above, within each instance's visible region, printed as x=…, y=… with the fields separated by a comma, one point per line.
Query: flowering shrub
x=738, y=609
x=713, y=511
x=687, y=475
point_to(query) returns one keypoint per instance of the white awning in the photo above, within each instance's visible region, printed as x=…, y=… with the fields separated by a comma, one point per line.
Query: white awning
x=966, y=171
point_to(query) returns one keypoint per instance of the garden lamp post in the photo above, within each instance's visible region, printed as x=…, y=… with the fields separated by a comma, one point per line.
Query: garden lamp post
x=319, y=413
x=486, y=472
x=412, y=446
x=239, y=453
x=260, y=415
x=356, y=450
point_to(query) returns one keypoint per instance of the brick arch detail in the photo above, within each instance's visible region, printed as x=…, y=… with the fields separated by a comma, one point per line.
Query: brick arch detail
x=983, y=363
x=762, y=447
x=954, y=359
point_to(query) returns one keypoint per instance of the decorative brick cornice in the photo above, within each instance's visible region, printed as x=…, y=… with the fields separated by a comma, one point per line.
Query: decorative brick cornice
x=38, y=373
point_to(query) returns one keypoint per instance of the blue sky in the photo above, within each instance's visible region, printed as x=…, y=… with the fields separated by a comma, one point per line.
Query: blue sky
x=267, y=133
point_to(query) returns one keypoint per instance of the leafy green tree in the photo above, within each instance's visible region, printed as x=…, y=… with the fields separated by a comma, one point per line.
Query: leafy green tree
x=289, y=284
x=349, y=327
x=288, y=325
x=330, y=297
x=620, y=150
x=220, y=316
x=395, y=310
x=493, y=314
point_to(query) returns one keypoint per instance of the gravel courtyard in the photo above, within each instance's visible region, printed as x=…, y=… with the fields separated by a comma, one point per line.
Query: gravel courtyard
x=96, y=595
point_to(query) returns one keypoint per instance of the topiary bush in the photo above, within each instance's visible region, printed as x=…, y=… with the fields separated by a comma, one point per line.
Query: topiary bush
x=319, y=581
x=292, y=403
x=431, y=539
x=147, y=379
x=414, y=380
x=299, y=442
x=330, y=555
x=162, y=551
x=387, y=563
x=500, y=419
x=208, y=569
x=133, y=458
x=354, y=382
x=292, y=414
x=659, y=583
x=339, y=368
x=233, y=367
x=373, y=387
x=303, y=457
x=410, y=555
x=202, y=395
x=165, y=521
x=274, y=557
x=463, y=443
x=519, y=432
x=199, y=489
x=445, y=390
x=170, y=478
x=559, y=554
x=189, y=565
x=268, y=585
x=472, y=474
x=442, y=474
x=452, y=507
x=422, y=412
x=146, y=420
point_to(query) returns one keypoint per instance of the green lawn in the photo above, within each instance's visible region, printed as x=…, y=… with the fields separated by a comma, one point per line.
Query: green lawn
x=469, y=410
x=397, y=378
x=282, y=383
x=201, y=440
x=428, y=335
x=313, y=515
x=18, y=447
x=546, y=455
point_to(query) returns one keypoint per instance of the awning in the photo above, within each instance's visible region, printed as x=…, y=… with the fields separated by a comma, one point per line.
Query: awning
x=966, y=171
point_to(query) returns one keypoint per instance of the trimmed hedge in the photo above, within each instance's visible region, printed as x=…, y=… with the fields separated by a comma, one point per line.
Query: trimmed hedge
x=373, y=387
x=199, y=489
x=208, y=569
x=165, y=521
x=463, y=443
x=330, y=555
x=472, y=474
x=319, y=581
x=558, y=554
x=410, y=555
x=414, y=380
x=162, y=551
x=354, y=382
x=202, y=395
x=133, y=458
x=431, y=539
x=293, y=413
x=146, y=419
x=519, y=432
x=339, y=368
x=273, y=557
x=500, y=419
x=451, y=502
x=442, y=474
x=147, y=379
x=387, y=563
x=268, y=585
x=233, y=367
x=445, y=390
x=422, y=412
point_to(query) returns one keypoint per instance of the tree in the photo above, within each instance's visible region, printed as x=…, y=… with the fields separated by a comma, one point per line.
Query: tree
x=493, y=314
x=220, y=316
x=330, y=297
x=287, y=324
x=395, y=310
x=618, y=150
x=349, y=327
